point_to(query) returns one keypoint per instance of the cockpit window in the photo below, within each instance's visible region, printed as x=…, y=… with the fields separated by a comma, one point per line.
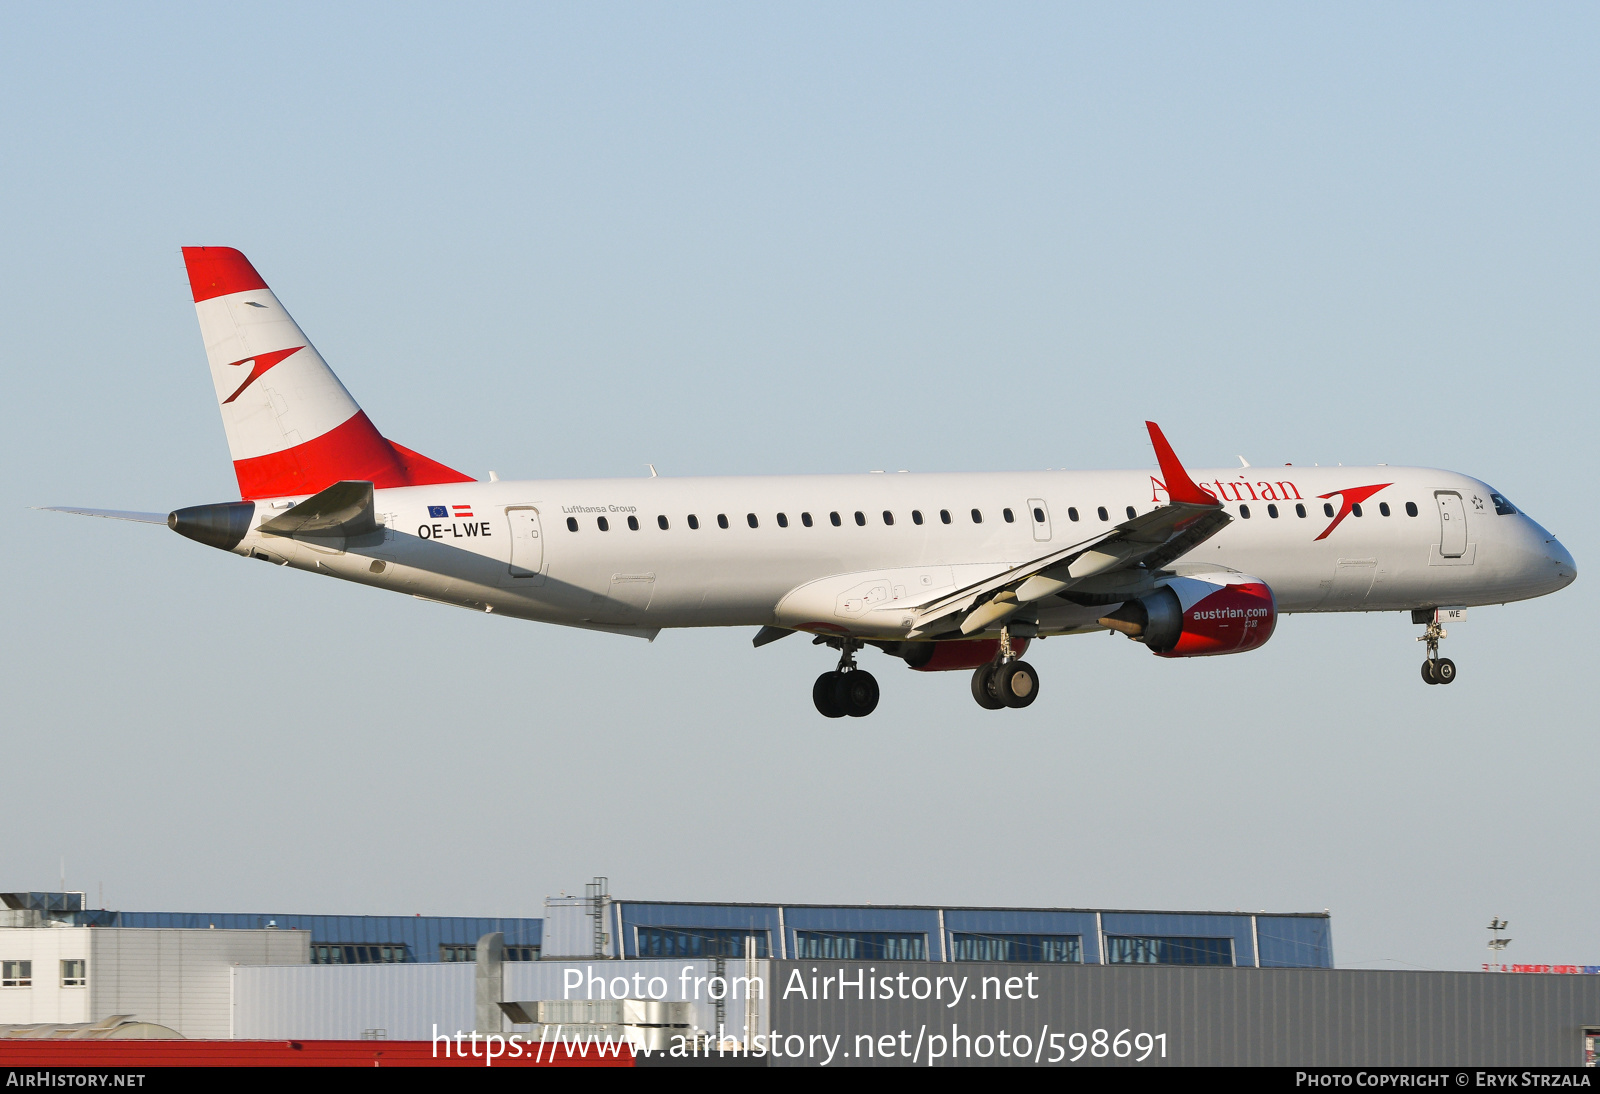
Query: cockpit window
x=1502, y=506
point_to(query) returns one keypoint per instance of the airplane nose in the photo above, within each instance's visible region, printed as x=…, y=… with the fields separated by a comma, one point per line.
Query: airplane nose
x=1566, y=570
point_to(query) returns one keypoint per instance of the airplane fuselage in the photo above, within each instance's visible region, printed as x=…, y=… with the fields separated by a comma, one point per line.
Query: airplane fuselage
x=845, y=553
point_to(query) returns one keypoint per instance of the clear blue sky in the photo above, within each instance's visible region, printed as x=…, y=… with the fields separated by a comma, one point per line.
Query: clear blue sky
x=571, y=240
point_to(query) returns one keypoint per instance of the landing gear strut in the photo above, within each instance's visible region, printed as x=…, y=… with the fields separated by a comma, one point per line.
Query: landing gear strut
x=1436, y=669
x=1005, y=681
x=848, y=689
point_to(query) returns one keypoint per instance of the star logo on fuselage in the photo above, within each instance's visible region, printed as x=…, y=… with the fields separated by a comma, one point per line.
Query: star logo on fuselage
x=1349, y=499
x=263, y=361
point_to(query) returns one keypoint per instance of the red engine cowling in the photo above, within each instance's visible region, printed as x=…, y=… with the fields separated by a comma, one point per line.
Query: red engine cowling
x=1200, y=616
x=961, y=654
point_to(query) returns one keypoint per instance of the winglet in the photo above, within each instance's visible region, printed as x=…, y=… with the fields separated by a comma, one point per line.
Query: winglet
x=1180, y=487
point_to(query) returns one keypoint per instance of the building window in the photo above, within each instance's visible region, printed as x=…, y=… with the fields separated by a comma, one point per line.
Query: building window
x=694, y=523
x=74, y=973
x=916, y=516
x=468, y=951
x=1411, y=508
x=1059, y=948
x=722, y=520
x=16, y=974
x=1169, y=951
x=944, y=516
x=783, y=520
x=888, y=517
x=605, y=525
x=834, y=519
x=572, y=524
x=805, y=518
x=1072, y=514
x=1011, y=518
x=860, y=946
x=750, y=518
x=358, y=955
x=698, y=942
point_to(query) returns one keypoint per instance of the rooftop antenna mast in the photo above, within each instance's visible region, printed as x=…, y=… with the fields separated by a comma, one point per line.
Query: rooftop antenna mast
x=597, y=895
x=1496, y=943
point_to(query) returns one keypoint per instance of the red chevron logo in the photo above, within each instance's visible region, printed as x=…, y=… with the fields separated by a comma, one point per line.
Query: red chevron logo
x=1352, y=497
x=263, y=361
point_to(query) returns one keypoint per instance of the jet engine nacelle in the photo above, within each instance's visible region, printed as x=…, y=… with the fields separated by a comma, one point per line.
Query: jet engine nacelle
x=1199, y=616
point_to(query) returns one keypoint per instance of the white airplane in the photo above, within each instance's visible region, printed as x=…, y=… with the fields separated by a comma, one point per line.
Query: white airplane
x=945, y=571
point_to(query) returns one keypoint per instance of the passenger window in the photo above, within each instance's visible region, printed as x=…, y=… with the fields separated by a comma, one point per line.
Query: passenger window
x=944, y=516
x=1072, y=514
x=722, y=520
x=1038, y=515
x=1299, y=510
x=1131, y=512
x=694, y=523
x=805, y=518
x=783, y=521
x=661, y=523
x=1327, y=509
x=1272, y=511
x=604, y=527
x=572, y=524
x=1411, y=508
x=835, y=518
x=861, y=519
x=977, y=517
x=1103, y=514
x=1011, y=518
x=633, y=524
x=1383, y=508
x=751, y=517
x=916, y=516
x=1356, y=509
x=1244, y=512
x=888, y=517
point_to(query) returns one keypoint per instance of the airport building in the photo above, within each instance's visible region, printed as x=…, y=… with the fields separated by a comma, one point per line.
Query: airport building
x=1206, y=987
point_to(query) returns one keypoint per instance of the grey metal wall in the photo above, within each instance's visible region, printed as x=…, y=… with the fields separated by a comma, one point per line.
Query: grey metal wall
x=1211, y=1016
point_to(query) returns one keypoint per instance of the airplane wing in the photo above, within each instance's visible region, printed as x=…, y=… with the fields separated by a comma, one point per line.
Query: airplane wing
x=1145, y=543
x=111, y=514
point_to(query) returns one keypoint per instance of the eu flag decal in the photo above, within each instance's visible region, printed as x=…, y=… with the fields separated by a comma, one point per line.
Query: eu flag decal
x=438, y=512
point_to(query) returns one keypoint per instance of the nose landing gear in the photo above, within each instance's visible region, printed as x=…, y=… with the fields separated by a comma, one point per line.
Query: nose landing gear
x=1436, y=669
x=847, y=690
x=1005, y=682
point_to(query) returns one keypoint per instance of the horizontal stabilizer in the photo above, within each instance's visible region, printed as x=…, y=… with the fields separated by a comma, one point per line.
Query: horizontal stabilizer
x=111, y=514
x=343, y=509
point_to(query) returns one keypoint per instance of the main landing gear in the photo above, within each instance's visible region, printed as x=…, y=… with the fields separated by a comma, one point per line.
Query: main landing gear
x=1005, y=681
x=847, y=690
x=1436, y=669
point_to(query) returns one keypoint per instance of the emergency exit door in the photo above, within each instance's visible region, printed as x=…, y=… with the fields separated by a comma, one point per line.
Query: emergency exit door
x=527, y=544
x=1452, y=524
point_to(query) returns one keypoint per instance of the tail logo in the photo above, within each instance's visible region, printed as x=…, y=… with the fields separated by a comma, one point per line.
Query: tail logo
x=1348, y=500
x=263, y=361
